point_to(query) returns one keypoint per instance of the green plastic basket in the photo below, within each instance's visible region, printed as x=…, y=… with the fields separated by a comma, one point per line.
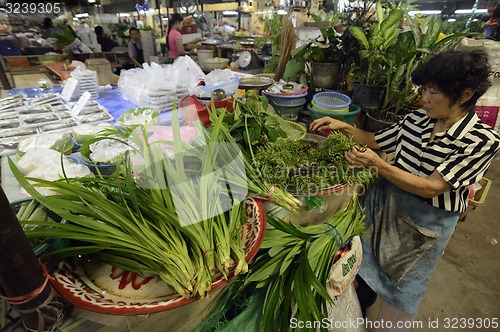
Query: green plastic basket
x=43, y=249
x=347, y=117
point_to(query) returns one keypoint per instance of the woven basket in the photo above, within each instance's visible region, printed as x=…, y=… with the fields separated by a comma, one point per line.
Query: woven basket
x=331, y=100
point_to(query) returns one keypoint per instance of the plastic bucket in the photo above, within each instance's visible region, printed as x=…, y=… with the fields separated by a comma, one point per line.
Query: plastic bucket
x=291, y=106
x=347, y=117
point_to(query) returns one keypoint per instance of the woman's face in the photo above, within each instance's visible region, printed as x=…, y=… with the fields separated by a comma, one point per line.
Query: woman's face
x=436, y=103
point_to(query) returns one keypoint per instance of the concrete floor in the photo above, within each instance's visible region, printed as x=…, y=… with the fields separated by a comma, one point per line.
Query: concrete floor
x=465, y=284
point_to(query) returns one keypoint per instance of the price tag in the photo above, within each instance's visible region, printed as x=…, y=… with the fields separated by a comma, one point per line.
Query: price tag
x=80, y=103
x=69, y=89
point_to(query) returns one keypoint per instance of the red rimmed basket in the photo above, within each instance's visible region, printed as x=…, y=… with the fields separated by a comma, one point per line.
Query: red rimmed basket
x=83, y=284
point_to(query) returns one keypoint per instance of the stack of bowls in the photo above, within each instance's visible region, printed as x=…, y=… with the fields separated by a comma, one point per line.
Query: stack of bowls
x=333, y=104
x=287, y=106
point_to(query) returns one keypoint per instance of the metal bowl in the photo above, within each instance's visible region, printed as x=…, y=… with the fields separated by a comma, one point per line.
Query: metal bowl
x=255, y=83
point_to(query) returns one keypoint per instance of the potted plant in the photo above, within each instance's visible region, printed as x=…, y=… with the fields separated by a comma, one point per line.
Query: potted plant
x=324, y=54
x=372, y=66
x=412, y=49
x=388, y=56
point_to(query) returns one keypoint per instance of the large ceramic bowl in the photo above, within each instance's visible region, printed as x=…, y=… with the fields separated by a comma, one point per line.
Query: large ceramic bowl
x=105, y=289
x=216, y=63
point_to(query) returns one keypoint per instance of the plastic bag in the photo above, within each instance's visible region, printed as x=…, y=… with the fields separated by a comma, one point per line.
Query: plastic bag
x=159, y=86
x=107, y=151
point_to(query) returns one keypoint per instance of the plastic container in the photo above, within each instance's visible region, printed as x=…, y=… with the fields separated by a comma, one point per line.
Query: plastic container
x=481, y=194
x=331, y=100
x=288, y=106
x=191, y=109
x=103, y=169
x=326, y=109
x=347, y=117
x=230, y=86
x=282, y=97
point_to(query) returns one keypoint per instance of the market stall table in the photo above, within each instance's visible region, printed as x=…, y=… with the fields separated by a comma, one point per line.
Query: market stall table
x=111, y=99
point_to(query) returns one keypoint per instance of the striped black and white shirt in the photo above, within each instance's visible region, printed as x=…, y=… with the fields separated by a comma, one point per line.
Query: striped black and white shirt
x=461, y=155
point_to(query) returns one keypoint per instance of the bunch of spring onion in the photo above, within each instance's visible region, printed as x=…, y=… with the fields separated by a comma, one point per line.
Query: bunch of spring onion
x=296, y=266
x=164, y=216
x=32, y=211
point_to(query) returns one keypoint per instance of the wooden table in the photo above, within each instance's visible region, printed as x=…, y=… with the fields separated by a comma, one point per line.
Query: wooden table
x=61, y=70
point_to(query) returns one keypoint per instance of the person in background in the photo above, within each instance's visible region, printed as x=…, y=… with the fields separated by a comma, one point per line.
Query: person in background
x=412, y=211
x=49, y=30
x=135, y=48
x=492, y=26
x=175, y=46
x=106, y=43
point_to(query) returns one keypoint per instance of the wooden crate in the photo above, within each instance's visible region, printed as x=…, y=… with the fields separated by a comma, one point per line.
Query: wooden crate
x=103, y=68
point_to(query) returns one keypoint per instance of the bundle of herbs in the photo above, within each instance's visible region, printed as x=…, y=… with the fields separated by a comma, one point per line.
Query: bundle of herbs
x=224, y=131
x=250, y=125
x=288, y=279
x=309, y=167
x=177, y=218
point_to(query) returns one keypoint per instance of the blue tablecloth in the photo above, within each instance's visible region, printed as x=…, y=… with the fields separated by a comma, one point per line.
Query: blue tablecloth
x=111, y=99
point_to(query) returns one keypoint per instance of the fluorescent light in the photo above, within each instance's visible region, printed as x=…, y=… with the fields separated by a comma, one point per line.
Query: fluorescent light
x=281, y=12
x=124, y=15
x=452, y=20
x=91, y=1
x=82, y=15
x=424, y=12
x=230, y=13
x=469, y=11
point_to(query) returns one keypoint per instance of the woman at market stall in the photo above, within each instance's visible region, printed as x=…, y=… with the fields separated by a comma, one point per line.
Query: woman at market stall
x=135, y=51
x=174, y=38
x=439, y=150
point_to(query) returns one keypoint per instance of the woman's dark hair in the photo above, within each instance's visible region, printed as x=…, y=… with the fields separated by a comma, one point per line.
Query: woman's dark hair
x=98, y=30
x=176, y=17
x=454, y=71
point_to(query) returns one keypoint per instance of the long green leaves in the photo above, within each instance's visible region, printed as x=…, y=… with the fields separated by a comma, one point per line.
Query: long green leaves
x=177, y=218
x=295, y=269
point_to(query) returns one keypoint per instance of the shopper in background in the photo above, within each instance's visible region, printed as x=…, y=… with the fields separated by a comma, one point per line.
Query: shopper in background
x=49, y=30
x=106, y=43
x=174, y=38
x=492, y=26
x=412, y=212
x=135, y=51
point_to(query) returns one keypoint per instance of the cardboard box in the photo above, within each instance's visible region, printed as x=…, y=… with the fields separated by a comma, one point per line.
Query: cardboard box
x=103, y=69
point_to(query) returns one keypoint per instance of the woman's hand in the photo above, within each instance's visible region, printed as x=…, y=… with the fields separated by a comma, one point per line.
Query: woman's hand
x=361, y=157
x=327, y=123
